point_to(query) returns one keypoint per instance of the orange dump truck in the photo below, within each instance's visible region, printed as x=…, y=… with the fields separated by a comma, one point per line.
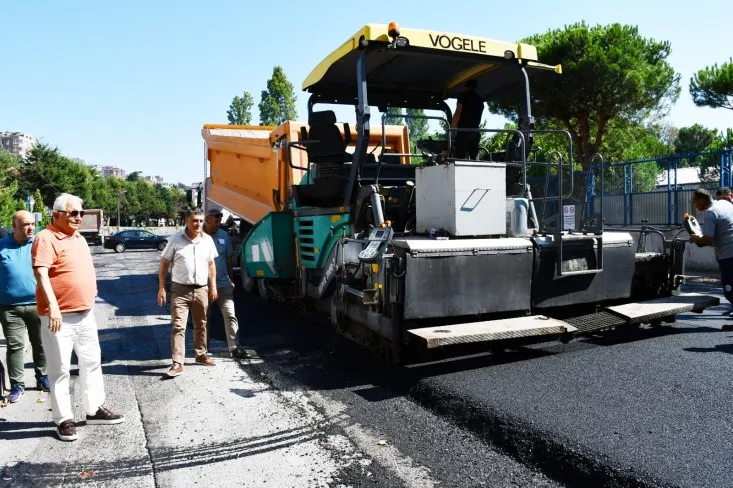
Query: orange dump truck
x=250, y=169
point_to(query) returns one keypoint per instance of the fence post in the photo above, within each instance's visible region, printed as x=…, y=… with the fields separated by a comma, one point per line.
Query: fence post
x=722, y=170
x=626, y=201
x=631, y=194
x=725, y=169
x=591, y=192
x=676, y=193
x=669, y=193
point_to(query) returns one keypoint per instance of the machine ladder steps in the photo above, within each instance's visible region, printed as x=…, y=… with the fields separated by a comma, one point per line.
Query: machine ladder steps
x=492, y=330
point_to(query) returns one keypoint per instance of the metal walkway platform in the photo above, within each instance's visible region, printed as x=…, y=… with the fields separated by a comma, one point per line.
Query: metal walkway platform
x=659, y=308
x=492, y=330
x=540, y=325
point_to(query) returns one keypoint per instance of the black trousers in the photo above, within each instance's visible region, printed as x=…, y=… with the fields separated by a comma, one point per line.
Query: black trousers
x=726, y=277
x=466, y=145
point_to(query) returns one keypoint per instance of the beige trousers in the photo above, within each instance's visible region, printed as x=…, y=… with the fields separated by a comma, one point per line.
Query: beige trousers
x=183, y=299
x=226, y=305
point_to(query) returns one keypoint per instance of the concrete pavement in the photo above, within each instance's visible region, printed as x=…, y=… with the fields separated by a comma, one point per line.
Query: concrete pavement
x=249, y=423
x=209, y=427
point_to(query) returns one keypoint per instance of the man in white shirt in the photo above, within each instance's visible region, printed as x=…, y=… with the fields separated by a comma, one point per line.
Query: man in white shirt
x=191, y=253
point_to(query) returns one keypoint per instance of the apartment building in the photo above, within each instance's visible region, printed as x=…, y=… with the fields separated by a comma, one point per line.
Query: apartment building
x=155, y=180
x=18, y=143
x=114, y=171
x=107, y=171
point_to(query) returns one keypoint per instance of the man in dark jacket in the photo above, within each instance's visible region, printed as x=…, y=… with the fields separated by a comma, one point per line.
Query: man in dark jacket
x=469, y=109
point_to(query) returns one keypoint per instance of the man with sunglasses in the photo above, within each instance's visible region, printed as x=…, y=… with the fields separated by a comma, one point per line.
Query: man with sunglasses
x=224, y=278
x=65, y=293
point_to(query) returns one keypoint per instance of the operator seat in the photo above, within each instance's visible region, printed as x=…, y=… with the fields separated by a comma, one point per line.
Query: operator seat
x=327, y=157
x=329, y=153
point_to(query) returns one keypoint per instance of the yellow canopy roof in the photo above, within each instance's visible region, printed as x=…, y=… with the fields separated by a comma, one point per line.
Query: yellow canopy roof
x=432, y=63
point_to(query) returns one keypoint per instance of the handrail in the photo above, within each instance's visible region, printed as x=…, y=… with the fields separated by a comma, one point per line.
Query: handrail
x=297, y=145
x=386, y=116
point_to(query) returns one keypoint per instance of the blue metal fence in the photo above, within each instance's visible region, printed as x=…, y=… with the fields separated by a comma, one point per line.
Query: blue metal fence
x=657, y=190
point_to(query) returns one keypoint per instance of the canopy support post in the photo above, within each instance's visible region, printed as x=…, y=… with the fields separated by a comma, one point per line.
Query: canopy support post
x=362, y=126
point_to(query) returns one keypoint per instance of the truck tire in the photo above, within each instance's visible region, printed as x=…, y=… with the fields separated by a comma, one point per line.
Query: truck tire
x=262, y=289
x=120, y=247
x=248, y=283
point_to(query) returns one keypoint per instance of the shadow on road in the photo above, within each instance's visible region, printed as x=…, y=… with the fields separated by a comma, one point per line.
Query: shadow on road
x=626, y=335
x=132, y=295
x=12, y=431
x=724, y=348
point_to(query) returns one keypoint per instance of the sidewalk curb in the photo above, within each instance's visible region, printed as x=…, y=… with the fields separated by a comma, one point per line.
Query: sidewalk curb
x=553, y=455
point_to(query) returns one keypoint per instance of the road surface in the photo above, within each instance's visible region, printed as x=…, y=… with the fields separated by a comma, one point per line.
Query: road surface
x=277, y=420
x=644, y=408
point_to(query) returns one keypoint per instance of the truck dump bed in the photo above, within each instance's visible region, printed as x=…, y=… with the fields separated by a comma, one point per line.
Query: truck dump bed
x=92, y=226
x=250, y=177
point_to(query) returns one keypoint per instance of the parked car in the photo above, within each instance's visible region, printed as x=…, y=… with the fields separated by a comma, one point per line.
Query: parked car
x=135, y=239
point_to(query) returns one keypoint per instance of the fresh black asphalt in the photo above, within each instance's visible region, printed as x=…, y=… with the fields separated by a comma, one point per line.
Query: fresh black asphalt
x=645, y=407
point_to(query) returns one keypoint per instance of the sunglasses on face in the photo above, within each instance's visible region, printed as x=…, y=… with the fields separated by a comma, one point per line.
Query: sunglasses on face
x=73, y=213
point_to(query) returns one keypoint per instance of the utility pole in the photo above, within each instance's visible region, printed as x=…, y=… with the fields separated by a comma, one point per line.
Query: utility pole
x=119, y=195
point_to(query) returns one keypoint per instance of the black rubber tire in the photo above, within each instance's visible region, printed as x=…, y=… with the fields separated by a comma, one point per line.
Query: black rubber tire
x=262, y=289
x=248, y=283
x=161, y=246
x=120, y=247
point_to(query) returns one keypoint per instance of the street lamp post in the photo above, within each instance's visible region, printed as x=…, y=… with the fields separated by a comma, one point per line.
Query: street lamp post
x=120, y=193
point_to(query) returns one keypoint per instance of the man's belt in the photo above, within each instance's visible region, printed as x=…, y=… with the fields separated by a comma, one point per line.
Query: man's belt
x=195, y=287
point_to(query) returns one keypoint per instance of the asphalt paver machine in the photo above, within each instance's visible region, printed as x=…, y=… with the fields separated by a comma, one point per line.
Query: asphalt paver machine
x=418, y=255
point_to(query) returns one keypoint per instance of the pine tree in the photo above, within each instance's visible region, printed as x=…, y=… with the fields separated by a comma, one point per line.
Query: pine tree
x=277, y=103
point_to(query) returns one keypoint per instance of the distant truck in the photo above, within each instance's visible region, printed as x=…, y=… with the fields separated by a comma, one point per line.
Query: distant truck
x=92, y=226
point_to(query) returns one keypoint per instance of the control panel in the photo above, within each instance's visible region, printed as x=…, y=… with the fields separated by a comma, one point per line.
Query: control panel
x=692, y=226
x=377, y=242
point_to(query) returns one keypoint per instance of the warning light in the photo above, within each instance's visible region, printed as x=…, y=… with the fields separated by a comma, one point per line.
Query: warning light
x=393, y=30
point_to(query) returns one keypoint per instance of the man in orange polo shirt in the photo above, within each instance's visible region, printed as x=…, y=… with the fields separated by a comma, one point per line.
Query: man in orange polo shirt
x=65, y=292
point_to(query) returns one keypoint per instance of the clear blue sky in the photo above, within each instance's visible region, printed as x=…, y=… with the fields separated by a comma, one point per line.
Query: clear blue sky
x=131, y=83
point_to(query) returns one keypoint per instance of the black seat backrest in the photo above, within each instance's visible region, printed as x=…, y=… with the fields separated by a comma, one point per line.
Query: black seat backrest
x=330, y=146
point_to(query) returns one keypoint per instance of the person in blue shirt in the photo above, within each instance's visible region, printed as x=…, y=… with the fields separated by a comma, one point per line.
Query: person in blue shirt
x=224, y=279
x=18, y=312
